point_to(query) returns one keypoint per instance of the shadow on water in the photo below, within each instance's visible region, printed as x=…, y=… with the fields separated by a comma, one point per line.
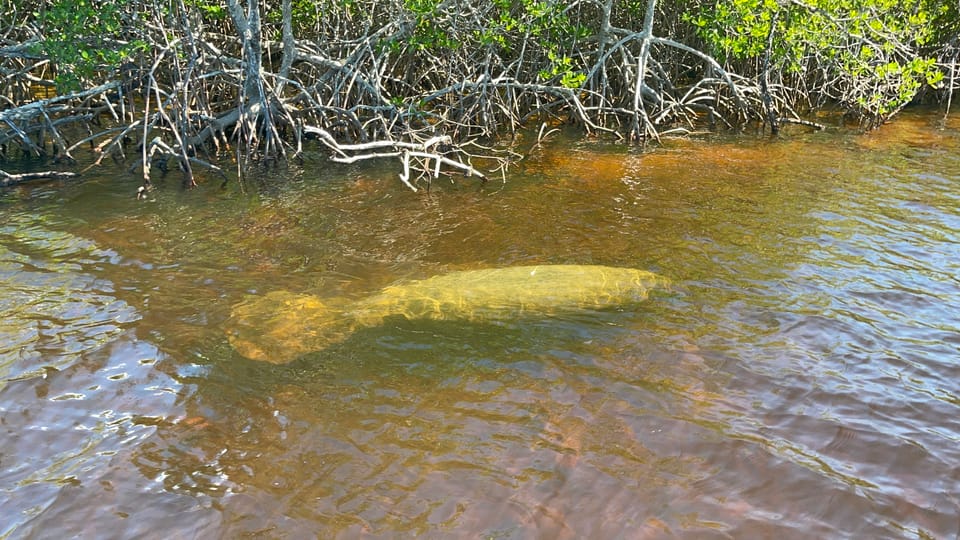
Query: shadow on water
x=797, y=381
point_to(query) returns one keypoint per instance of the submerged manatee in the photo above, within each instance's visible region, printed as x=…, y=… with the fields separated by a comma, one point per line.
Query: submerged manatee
x=280, y=326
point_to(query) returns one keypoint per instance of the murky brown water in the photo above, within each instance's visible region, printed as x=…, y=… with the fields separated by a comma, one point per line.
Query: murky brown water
x=800, y=380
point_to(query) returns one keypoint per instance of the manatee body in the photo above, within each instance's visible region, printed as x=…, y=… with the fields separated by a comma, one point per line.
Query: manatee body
x=280, y=326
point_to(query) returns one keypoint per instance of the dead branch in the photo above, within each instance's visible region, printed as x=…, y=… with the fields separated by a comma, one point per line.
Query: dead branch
x=405, y=150
x=8, y=179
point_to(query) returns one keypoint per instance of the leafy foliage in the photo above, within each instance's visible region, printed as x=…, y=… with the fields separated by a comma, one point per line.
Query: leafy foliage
x=427, y=33
x=84, y=37
x=540, y=28
x=867, y=54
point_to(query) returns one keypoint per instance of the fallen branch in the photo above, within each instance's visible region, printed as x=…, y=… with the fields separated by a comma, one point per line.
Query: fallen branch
x=402, y=149
x=8, y=179
x=799, y=122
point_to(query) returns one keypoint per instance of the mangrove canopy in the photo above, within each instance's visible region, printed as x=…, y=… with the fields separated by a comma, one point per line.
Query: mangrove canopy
x=197, y=84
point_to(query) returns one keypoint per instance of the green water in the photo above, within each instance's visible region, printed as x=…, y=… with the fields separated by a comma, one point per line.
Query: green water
x=798, y=380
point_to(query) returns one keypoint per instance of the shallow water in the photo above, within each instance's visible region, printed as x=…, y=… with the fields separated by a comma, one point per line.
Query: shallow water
x=798, y=380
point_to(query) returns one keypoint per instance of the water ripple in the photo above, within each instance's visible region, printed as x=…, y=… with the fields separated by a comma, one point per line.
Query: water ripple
x=52, y=310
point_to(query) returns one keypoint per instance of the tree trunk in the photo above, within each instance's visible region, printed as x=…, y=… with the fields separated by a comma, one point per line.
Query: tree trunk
x=254, y=104
x=289, y=46
x=770, y=110
x=248, y=26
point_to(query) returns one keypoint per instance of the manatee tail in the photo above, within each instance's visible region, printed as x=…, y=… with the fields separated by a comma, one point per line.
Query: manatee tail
x=280, y=326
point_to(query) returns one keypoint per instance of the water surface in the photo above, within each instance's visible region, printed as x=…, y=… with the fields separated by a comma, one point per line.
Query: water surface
x=798, y=380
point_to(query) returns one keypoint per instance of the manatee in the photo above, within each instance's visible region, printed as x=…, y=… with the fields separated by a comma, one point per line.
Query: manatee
x=280, y=326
